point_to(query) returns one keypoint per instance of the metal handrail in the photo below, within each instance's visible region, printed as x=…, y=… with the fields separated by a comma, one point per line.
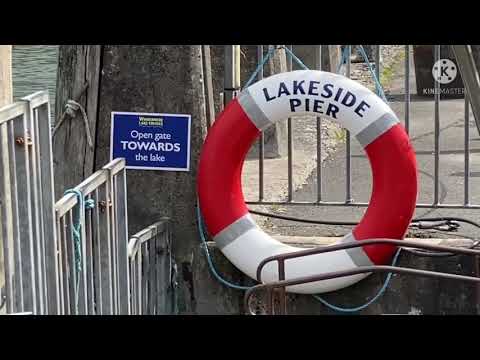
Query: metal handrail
x=282, y=283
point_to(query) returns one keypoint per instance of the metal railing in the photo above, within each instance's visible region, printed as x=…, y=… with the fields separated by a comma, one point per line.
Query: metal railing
x=276, y=290
x=27, y=235
x=348, y=198
x=152, y=271
x=118, y=276
x=66, y=257
x=102, y=278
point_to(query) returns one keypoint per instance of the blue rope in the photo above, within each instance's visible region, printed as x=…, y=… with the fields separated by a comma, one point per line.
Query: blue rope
x=317, y=297
x=77, y=234
x=294, y=57
x=268, y=56
x=378, y=85
x=209, y=260
x=343, y=59
x=369, y=302
x=259, y=67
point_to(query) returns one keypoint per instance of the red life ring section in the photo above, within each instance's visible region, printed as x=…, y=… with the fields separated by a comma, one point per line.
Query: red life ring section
x=365, y=115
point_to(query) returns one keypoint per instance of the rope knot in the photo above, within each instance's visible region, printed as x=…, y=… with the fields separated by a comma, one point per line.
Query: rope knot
x=71, y=108
x=89, y=204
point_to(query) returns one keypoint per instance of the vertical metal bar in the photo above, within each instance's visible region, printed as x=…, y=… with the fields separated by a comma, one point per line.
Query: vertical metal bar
x=145, y=278
x=83, y=285
x=166, y=245
x=261, y=149
x=437, y=130
x=319, y=136
x=222, y=101
x=207, y=70
x=22, y=158
x=41, y=271
x=377, y=62
x=139, y=280
x=113, y=250
x=152, y=275
x=58, y=258
x=466, y=175
x=97, y=256
x=230, y=73
x=155, y=272
x=105, y=250
x=269, y=301
x=407, y=88
x=90, y=294
x=348, y=166
x=122, y=234
x=72, y=266
x=67, y=266
x=133, y=283
x=6, y=225
x=237, y=72
x=16, y=241
x=35, y=205
x=162, y=280
x=470, y=76
x=40, y=180
x=282, y=292
x=46, y=167
x=290, y=142
x=61, y=268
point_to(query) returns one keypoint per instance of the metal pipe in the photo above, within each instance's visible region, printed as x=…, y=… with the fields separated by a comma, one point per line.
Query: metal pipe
x=377, y=62
x=207, y=70
x=282, y=294
x=348, y=166
x=261, y=151
x=319, y=136
x=437, y=131
x=407, y=88
x=361, y=204
x=355, y=244
x=290, y=140
x=466, y=175
x=470, y=76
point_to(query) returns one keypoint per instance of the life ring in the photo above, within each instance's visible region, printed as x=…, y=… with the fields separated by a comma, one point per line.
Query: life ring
x=353, y=106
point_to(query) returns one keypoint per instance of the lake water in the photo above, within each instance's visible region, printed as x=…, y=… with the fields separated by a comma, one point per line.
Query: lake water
x=34, y=68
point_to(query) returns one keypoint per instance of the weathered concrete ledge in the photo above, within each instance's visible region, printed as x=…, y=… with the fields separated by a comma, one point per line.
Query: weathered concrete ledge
x=405, y=295
x=310, y=241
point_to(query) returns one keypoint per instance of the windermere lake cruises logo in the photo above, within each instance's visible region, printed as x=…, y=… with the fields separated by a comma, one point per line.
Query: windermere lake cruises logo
x=444, y=72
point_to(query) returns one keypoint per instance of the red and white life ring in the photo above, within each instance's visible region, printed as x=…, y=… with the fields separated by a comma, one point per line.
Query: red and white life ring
x=354, y=107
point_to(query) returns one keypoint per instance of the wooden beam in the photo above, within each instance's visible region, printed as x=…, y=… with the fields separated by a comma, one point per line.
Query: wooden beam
x=6, y=88
x=77, y=79
x=6, y=97
x=158, y=79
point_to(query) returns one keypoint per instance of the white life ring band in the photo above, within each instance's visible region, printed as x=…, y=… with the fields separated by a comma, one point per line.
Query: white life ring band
x=353, y=106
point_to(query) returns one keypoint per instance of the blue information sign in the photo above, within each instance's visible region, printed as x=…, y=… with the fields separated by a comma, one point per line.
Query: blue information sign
x=151, y=141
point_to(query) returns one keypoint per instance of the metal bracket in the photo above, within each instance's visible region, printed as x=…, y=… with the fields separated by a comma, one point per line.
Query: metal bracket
x=280, y=286
x=470, y=77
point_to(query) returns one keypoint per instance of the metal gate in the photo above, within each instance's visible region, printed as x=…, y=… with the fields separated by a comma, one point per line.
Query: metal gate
x=26, y=203
x=73, y=256
x=443, y=131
